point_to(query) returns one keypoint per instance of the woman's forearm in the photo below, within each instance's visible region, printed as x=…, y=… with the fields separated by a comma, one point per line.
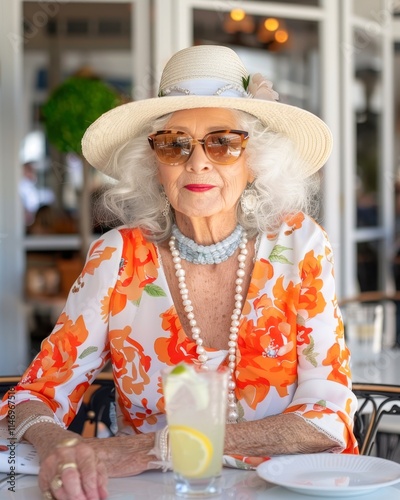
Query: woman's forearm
x=275, y=435
x=44, y=436
x=123, y=456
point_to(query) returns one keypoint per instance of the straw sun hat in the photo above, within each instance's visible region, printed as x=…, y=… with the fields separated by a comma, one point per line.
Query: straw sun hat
x=209, y=76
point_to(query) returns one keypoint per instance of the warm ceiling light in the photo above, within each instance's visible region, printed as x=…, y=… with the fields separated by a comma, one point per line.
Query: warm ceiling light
x=281, y=36
x=238, y=14
x=271, y=24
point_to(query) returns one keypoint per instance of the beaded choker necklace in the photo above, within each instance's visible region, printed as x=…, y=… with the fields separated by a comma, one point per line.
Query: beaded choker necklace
x=211, y=254
x=234, y=328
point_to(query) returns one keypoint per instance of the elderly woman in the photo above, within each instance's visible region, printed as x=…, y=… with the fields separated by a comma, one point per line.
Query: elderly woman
x=217, y=263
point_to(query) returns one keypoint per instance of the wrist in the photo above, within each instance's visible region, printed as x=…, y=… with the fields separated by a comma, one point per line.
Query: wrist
x=161, y=451
x=46, y=437
x=30, y=422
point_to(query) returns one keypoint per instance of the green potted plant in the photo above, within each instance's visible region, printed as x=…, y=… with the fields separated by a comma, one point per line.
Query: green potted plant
x=72, y=106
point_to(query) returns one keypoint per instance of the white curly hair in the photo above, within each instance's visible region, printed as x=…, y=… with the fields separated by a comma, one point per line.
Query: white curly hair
x=137, y=199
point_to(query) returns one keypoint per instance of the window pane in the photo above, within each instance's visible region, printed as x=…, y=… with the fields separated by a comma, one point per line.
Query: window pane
x=368, y=265
x=371, y=9
x=368, y=114
x=286, y=51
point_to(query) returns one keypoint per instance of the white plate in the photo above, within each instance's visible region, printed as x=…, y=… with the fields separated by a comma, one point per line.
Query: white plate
x=330, y=474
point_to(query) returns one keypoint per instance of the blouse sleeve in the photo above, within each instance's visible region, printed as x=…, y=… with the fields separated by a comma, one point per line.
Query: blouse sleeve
x=77, y=348
x=323, y=396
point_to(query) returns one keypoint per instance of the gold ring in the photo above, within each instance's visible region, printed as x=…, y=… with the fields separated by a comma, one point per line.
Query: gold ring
x=47, y=495
x=67, y=443
x=68, y=465
x=56, y=483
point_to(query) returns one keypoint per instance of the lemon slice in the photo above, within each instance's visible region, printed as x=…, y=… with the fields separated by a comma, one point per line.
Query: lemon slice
x=183, y=379
x=191, y=450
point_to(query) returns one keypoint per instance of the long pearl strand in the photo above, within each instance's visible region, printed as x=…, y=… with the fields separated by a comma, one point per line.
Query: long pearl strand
x=234, y=328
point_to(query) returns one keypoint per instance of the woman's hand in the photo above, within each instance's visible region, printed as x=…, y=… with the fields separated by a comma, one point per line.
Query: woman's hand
x=78, y=469
x=126, y=455
x=75, y=468
x=73, y=471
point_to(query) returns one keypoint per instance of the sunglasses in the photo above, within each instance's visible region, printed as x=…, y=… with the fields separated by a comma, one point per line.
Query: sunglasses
x=223, y=147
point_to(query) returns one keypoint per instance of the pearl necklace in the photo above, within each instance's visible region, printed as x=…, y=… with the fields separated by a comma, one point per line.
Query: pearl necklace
x=234, y=328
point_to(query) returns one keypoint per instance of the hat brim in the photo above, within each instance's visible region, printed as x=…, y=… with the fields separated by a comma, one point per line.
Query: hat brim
x=310, y=134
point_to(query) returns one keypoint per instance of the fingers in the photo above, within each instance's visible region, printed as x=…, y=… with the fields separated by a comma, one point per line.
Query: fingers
x=73, y=473
x=102, y=480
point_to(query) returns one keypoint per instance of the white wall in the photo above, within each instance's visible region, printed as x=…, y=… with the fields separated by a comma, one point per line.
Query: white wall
x=13, y=351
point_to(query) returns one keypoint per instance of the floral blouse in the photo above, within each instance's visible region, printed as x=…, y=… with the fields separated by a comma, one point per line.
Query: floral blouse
x=291, y=351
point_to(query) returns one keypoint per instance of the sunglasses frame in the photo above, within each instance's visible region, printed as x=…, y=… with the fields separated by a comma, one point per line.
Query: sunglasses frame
x=244, y=136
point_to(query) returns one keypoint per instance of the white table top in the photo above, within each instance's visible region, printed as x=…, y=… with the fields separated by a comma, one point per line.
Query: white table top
x=237, y=485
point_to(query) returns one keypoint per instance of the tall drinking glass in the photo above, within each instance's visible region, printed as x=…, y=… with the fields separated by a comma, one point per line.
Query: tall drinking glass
x=196, y=405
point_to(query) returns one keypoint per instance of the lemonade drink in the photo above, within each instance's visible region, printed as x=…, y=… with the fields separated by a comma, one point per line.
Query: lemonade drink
x=195, y=402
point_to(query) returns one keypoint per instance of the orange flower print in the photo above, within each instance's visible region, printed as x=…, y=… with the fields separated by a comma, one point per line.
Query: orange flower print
x=329, y=257
x=348, y=435
x=303, y=335
x=262, y=272
x=317, y=410
x=95, y=258
x=144, y=416
x=74, y=399
x=131, y=364
x=338, y=358
x=177, y=347
x=105, y=304
x=160, y=405
x=57, y=359
x=311, y=300
x=287, y=298
x=262, y=302
x=138, y=268
x=294, y=222
x=270, y=356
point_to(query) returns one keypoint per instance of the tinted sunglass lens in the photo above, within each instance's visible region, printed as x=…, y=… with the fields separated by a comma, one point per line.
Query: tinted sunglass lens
x=172, y=148
x=224, y=147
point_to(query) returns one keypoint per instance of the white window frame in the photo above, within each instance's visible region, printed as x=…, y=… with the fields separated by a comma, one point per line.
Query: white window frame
x=351, y=235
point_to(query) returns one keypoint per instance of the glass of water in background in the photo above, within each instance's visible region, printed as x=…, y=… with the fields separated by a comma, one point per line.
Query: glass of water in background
x=363, y=323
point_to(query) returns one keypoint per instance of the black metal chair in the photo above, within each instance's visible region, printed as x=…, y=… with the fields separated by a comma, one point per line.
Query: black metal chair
x=376, y=401
x=97, y=407
x=6, y=383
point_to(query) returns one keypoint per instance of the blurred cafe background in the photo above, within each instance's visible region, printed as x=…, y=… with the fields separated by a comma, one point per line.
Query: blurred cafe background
x=64, y=62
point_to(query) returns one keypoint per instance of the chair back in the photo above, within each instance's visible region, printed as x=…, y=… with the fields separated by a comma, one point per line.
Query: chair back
x=7, y=382
x=376, y=401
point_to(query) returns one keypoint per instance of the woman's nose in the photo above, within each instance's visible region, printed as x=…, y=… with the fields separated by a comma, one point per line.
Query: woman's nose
x=198, y=160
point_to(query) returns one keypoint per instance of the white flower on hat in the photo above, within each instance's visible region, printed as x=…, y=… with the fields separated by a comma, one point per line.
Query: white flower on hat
x=261, y=88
